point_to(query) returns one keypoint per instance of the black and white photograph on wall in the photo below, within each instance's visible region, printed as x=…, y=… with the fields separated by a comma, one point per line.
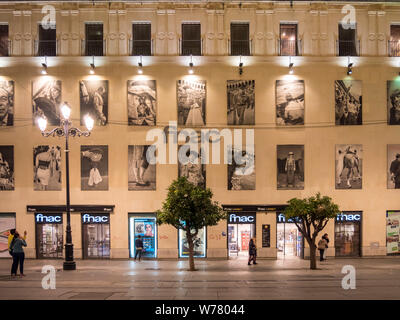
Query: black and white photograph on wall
x=242, y=171
x=93, y=96
x=47, y=168
x=6, y=167
x=191, y=97
x=46, y=100
x=393, y=102
x=393, y=181
x=142, y=102
x=141, y=174
x=6, y=103
x=194, y=172
x=349, y=166
x=94, y=167
x=241, y=102
x=289, y=102
x=290, y=167
x=348, y=102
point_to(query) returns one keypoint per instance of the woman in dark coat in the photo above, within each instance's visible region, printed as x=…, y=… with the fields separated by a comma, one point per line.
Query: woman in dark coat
x=252, y=251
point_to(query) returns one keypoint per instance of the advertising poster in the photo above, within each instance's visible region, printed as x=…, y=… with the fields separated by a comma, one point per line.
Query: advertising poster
x=7, y=222
x=393, y=232
x=146, y=228
x=199, y=244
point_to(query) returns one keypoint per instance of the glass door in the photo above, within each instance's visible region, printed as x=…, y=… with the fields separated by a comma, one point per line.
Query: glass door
x=50, y=240
x=347, y=239
x=97, y=240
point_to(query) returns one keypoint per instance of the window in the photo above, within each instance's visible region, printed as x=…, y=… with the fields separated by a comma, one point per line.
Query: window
x=394, y=42
x=191, y=39
x=94, y=39
x=4, y=47
x=141, y=39
x=240, y=43
x=47, y=43
x=288, y=39
x=347, y=44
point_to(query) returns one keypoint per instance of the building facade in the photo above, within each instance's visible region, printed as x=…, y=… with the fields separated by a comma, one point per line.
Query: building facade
x=320, y=99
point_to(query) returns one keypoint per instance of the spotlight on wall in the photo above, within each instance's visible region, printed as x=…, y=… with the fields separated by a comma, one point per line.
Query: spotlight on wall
x=44, y=66
x=240, y=66
x=92, y=66
x=140, y=66
x=291, y=64
x=191, y=70
x=349, y=69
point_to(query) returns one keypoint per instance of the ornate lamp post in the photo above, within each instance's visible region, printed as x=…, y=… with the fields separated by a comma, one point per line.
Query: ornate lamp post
x=66, y=129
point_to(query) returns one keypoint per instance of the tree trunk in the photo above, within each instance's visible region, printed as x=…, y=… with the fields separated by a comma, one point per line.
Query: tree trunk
x=313, y=256
x=191, y=249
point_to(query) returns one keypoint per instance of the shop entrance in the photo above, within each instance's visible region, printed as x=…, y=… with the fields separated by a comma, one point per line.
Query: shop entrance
x=241, y=228
x=96, y=236
x=290, y=242
x=49, y=236
x=348, y=234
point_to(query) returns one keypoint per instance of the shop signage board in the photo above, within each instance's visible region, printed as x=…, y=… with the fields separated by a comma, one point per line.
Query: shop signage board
x=244, y=218
x=95, y=218
x=47, y=218
x=266, y=235
x=354, y=216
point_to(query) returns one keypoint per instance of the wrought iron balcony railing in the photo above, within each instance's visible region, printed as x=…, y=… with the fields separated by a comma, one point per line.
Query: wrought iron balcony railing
x=349, y=48
x=93, y=47
x=394, y=48
x=191, y=47
x=288, y=47
x=240, y=47
x=5, y=48
x=47, y=48
x=141, y=47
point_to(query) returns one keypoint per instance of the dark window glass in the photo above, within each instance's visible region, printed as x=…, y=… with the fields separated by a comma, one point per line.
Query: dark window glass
x=394, y=42
x=288, y=40
x=347, y=41
x=94, y=39
x=347, y=239
x=191, y=39
x=141, y=39
x=4, y=40
x=47, y=44
x=240, y=43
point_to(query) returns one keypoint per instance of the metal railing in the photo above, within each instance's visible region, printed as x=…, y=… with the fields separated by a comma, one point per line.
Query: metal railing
x=350, y=48
x=47, y=48
x=288, y=47
x=5, y=48
x=93, y=47
x=141, y=47
x=240, y=47
x=190, y=47
x=394, y=48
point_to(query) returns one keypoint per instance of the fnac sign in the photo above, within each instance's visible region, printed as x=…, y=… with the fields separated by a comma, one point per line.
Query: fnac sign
x=90, y=218
x=54, y=218
x=242, y=218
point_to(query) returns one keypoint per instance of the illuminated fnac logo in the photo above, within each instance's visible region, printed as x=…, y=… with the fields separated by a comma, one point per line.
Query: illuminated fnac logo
x=40, y=218
x=88, y=218
x=348, y=217
x=282, y=219
x=233, y=218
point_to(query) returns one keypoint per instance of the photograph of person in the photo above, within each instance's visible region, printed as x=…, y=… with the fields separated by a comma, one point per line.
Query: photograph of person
x=94, y=167
x=142, y=102
x=47, y=168
x=393, y=102
x=6, y=103
x=290, y=167
x=241, y=102
x=348, y=102
x=93, y=96
x=141, y=174
x=148, y=230
x=46, y=100
x=289, y=102
x=349, y=166
x=242, y=174
x=191, y=97
x=194, y=172
x=7, y=168
x=393, y=180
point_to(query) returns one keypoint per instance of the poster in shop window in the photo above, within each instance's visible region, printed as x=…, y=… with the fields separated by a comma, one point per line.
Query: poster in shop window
x=7, y=222
x=393, y=232
x=146, y=229
x=199, y=244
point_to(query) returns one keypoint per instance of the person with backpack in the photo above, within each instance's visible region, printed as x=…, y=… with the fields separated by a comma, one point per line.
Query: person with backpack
x=322, y=245
x=10, y=238
x=18, y=254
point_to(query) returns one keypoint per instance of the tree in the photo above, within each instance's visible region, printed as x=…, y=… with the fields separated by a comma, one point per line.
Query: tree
x=311, y=216
x=190, y=208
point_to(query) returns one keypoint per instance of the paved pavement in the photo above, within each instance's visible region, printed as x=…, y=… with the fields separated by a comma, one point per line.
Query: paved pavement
x=214, y=280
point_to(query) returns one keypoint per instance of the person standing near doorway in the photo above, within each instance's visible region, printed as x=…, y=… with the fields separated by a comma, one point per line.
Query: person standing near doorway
x=252, y=251
x=325, y=236
x=322, y=245
x=18, y=254
x=139, y=247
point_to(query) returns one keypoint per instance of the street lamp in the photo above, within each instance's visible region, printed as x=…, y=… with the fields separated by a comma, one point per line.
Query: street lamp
x=66, y=129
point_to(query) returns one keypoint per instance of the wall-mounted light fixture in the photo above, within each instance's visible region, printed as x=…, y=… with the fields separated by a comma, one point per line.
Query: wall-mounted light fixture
x=240, y=66
x=191, y=70
x=44, y=66
x=92, y=66
x=349, y=67
x=291, y=64
x=140, y=66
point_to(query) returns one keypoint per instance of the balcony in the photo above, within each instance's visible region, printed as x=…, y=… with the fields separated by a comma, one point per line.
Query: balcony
x=191, y=47
x=5, y=48
x=288, y=47
x=349, y=48
x=93, y=47
x=240, y=47
x=141, y=47
x=394, y=48
x=47, y=48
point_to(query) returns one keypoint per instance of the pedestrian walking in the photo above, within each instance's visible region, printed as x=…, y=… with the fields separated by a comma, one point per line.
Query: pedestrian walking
x=18, y=254
x=139, y=247
x=322, y=245
x=252, y=251
x=325, y=236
